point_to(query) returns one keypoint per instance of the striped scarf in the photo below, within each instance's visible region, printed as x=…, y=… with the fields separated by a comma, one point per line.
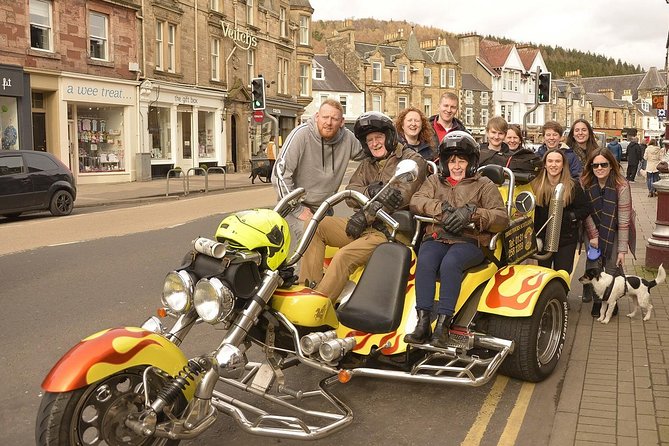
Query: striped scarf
x=605, y=206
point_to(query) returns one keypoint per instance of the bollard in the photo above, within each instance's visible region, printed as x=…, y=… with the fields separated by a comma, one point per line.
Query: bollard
x=657, y=249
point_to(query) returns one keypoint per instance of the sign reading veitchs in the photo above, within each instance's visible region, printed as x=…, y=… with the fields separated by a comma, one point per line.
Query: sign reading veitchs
x=239, y=35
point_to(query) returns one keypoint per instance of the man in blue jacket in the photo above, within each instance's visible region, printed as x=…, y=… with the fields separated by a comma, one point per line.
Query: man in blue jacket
x=615, y=148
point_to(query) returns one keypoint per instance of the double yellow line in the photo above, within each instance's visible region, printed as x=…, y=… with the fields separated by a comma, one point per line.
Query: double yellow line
x=513, y=423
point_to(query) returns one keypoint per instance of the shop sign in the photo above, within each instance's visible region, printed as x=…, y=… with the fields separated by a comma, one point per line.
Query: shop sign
x=239, y=35
x=185, y=99
x=658, y=101
x=98, y=92
x=11, y=82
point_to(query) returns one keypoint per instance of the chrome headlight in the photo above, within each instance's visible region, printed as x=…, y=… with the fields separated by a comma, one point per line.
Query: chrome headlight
x=213, y=300
x=178, y=291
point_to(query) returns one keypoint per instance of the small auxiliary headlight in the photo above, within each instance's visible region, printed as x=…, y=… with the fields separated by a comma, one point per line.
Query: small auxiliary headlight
x=178, y=291
x=213, y=300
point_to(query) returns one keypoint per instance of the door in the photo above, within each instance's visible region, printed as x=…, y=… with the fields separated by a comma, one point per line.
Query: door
x=16, y=187
x=39, y=131
x=185, y=141
x=233, y=140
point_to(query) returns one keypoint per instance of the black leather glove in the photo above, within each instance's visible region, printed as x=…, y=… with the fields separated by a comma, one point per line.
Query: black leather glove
x=374, y=188
x=447, y=210
x=391, y=198
x=356, y=224
x=459, y=218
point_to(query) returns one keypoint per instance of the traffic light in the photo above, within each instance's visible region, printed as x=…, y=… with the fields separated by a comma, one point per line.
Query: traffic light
x=544, y=88
x=258, y=93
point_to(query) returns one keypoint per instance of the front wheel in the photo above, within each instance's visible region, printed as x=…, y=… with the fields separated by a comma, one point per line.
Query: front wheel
x=95, y=415
x=539, y=339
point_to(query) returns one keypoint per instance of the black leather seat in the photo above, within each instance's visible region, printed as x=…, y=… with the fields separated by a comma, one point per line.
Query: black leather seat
x=377, y=302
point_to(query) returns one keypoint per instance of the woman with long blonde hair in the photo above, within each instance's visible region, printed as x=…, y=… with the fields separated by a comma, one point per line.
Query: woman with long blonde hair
x=577, y=207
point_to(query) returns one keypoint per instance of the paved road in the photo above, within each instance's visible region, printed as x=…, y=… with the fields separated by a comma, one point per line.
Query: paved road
x=68, y=277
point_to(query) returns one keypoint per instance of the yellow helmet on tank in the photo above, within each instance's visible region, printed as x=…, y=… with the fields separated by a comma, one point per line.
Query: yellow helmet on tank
x=256, y=229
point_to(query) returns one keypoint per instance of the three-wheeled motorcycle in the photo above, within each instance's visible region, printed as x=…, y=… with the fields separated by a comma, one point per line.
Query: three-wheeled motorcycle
x=135, y=386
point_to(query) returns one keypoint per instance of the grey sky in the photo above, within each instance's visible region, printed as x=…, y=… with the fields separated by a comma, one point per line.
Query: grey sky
x=634, y=31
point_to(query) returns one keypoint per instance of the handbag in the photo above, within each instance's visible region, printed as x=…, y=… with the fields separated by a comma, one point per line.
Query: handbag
x=663, y=167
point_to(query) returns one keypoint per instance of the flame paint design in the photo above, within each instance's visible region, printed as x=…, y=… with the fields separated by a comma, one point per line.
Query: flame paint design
x=116, y=347
x=518, y=300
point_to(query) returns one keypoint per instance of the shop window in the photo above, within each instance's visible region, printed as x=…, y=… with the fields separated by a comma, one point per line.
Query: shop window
x=100, y=138
x=159, y=130
x=9, y=119
x=98, y=36
x=205, y=123
x=41, y=30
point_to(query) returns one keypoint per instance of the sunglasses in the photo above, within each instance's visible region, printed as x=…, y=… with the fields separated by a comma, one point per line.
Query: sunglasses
x=598, y=165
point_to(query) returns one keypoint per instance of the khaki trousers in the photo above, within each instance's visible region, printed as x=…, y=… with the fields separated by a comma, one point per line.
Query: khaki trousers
x=351, y=255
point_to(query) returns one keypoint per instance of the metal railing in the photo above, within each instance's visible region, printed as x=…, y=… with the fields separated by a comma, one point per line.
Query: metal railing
x=185, y=179
x=223, y=170
x=178, y=173
x=206, y=178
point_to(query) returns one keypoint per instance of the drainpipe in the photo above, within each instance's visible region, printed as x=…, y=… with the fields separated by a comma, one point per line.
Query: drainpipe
x=197, y=72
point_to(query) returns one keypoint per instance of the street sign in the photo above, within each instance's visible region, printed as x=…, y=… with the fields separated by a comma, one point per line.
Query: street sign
x=258, y=115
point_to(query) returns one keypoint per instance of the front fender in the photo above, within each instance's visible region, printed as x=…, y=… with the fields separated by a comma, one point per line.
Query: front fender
x=515, y=289
x=111, y=351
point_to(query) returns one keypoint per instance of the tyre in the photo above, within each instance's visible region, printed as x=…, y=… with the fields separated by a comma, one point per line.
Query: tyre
x=539, y=339
x=61, y=203
x=95, y=415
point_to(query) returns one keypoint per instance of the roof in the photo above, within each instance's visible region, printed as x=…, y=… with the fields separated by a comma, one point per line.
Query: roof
x=494, y=54
x=652, y=80
x=527, y=56
x=443, y=54
x=601, y=100
x=413, y=50
x=387, y=51
x=334, y=78
x=470, y=82
x=616, y=83
x=563, y=85
x=301, y=4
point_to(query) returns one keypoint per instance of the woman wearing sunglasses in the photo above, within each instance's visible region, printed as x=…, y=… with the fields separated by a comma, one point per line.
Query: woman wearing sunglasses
x=612, y=219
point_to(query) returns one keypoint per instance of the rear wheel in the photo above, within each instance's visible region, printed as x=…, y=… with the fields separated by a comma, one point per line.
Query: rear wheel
x=95, y=415
x=539, y=338
x=62, y=203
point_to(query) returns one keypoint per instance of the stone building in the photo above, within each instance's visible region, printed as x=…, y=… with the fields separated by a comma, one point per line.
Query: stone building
x=125, y=89
x=397, y=73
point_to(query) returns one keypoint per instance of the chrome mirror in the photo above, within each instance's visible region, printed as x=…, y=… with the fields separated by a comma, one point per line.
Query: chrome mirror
x=406, y=172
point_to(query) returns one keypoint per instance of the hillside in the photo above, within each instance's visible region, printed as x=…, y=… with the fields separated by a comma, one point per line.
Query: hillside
x=558, y=60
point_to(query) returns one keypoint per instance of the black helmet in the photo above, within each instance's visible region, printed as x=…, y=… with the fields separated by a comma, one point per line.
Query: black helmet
x=462, y=144
x=372, y=121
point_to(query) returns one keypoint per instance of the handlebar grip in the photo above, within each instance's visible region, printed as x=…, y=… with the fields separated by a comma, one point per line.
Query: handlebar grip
x=387, y=219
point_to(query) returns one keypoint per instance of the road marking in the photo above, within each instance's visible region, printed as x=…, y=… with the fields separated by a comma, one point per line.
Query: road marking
x=510, y=433
x=65, y=243
x=475, y=434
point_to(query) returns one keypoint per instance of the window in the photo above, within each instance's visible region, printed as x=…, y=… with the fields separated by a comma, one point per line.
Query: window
x=376, y=102
x=205, y=134
x=97, y=35
x=250, y=61
x=171, y=47
x=283, y=26
x=159, y=131
x=160, y=46
x=484, y=117
x=282, y=78
x=324, y=98
x=40, y=25
x=249, y=12
x=343, y=100
x=469, y=116
x=376, y=71
x=427, y=106
x=516, y=80
x=582, y=100
x=404, y=71
x=532, y=116
x=305, y=74
x=554, y=116
x=451, y=78
x=304, y=30
x=427, y=76
x=569, y=99
x=484, y=98
x=402, y=103
x=318, y=72
x=36, y=162
x=442, y=77
x=530, y=85
x=213, y=5
x=215, y=59
x=469, y=97
x=11, y=164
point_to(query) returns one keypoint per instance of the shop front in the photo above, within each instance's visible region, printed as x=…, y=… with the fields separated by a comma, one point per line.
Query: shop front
x=15, y=127
x=180, y=127
x=102, y=123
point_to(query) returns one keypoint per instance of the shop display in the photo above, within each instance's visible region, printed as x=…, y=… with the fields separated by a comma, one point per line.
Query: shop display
x=100, y=147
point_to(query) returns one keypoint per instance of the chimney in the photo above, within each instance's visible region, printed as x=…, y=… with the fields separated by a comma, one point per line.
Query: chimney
x=608, y=92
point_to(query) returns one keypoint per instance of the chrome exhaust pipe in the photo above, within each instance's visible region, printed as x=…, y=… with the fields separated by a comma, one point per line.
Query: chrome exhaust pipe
x=555, y=209
x=312, y=342
x=335, y=349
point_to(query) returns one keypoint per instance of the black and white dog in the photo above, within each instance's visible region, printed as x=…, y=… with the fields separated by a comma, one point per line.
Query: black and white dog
x=611, y=288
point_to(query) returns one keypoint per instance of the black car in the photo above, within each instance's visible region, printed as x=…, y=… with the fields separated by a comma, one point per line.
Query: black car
x=31, y=181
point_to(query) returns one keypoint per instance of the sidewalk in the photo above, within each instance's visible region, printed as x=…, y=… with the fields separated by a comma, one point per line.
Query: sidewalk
x=616, y=386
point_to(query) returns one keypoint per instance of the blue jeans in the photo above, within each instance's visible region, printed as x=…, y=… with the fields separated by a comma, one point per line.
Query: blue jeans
x=652, y=177
x=448, y=262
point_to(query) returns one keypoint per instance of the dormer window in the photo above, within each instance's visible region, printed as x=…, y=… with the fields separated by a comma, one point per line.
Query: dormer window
x=317, y=72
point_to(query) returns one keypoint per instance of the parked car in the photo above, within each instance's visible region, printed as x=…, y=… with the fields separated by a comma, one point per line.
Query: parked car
x=31, y=181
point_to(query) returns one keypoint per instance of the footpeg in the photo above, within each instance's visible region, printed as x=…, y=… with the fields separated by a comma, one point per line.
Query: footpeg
x=460, y=337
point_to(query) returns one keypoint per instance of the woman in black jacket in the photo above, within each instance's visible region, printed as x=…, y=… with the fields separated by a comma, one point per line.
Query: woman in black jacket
x=414, y=131
x=577, y=208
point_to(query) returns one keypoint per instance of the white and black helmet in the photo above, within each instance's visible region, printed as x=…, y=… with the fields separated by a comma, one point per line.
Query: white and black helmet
x=462, y=144
x=372, y=121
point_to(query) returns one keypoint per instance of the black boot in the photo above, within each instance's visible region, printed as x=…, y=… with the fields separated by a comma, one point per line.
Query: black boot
x=423, y=329
x=440, y=335
x=596, y=306
x=587, y=293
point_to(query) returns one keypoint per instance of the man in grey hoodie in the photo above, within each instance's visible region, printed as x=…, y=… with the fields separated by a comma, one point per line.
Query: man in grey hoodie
x=314, y=156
